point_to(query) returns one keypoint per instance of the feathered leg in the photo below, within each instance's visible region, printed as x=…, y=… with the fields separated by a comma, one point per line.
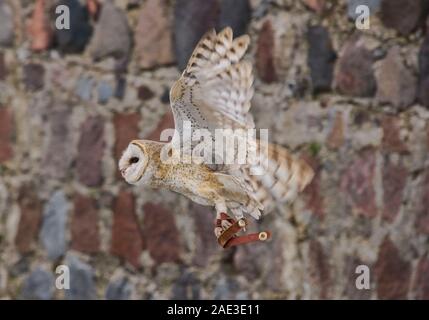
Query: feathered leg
x=221, y=224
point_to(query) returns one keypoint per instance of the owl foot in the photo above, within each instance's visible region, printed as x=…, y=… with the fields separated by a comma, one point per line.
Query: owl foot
x=227, y=228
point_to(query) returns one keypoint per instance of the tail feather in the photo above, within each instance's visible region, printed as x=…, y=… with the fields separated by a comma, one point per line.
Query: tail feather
x=284, y=177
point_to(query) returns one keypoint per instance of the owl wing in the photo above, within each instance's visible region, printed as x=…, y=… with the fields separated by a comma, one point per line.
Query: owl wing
x=215, y=89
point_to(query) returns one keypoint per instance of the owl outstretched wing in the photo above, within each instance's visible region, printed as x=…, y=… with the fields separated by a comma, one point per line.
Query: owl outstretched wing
x=215, y=89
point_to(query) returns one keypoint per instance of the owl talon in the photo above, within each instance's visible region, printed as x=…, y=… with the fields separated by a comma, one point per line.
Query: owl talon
x=226, y=232
x=218, y=231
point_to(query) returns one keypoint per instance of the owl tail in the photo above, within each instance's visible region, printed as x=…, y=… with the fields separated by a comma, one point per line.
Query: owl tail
x=279, y=177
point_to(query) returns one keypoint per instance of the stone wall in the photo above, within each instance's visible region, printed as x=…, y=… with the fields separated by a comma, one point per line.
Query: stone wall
x=353, y=102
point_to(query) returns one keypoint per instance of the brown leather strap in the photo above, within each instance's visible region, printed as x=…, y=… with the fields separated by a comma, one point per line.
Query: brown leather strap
x=229, y=233
x=253, y=237
x=229, y=238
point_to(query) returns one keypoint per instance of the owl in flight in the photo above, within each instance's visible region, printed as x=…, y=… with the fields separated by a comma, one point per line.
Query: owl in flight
x=214, y=92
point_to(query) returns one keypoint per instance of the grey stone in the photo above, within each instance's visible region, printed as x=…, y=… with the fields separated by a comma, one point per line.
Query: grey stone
x=153, y=35
x=354, y=73
x=225, y=289
x=6, y=24
x=3, y=70
x=235, y=14
x=402, y=15
x=192, y=18
x=53, y=230
x=112, y=34
x=20, y=267
x=84, y=87
x=39, y=285
x=395, y=83
x=90, y=152
x=373, y=5
x=58, y=154
x=186, y=287
x=81, y=280
x=75, y=39
x=321, y=58
x=105, y=92
x=34, y=76
x=424, y=72
x=119, y=289
x=121, y=86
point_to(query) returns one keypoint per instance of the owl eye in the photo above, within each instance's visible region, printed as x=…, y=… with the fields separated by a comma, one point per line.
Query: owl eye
x=134, y=160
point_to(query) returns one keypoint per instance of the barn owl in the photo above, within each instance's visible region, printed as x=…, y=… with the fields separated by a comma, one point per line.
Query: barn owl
x=214, y=92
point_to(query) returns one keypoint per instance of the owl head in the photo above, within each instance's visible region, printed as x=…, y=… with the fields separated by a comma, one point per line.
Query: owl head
x=133, y=162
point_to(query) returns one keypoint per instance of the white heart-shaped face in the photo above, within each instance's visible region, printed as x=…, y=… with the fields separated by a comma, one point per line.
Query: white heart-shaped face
x=133, y=163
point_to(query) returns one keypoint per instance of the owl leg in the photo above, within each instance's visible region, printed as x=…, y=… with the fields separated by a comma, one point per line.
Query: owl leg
x=223, y=222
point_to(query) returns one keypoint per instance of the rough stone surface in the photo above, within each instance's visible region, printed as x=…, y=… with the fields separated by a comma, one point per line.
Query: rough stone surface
x=82, y=287
x=39, y=285
x=358, y=184
x=321, y=58
x=421, y=285
x=84, y=225
x=38, y=28
x=422, y=223
x=336, y=136
x=127, y=240
x=187, y=287
x=316, y=5
x=160, y=234
x=354, y=74
x=373, y=5
x=126, y=129
x=7, y=27
x=264, y=53
x=75, y=39
x=192, y=18
x=392, y=272
x=235, y=14
x=84, y=88
x=145, y=93
x=205, y=246
x=34, y=76
x=90, y=149
x=423, y=89
x=166, y=122
x=153, y=37
x=6, y=133
x=402, y=15
x=391, y=140
x=395, y=83
x=29, y=223
x=312, y=192
x=3, y=69
x=394, y=179
x=111, y=35
x=57, y=152
x=120, y=289
x=319, y=271
x=53, y=231
x=105, y=92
